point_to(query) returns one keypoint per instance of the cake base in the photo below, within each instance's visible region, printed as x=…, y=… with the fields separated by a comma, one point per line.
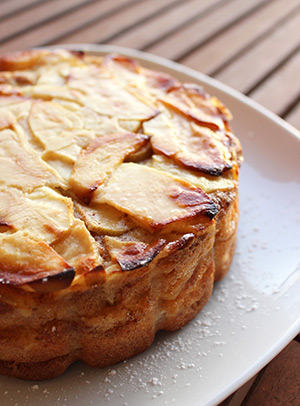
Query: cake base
x=112, y=319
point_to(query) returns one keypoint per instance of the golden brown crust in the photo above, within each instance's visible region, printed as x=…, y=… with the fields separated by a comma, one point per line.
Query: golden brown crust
x=125, y=326
x=140, y=303
x=124, y=232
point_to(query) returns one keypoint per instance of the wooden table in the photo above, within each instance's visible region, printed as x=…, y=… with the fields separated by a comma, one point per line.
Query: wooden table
x=251, y=45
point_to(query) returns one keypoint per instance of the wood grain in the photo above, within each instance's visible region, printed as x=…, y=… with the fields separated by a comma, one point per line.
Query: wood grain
x=43, y=12
x=239, y=38
x=245, y=73
x=164, y=24
x=279, y=382
x=293, y=117
x=280, y=90
x=185, y=40
x=16, y=6
x=118, y=22
x=50, y=32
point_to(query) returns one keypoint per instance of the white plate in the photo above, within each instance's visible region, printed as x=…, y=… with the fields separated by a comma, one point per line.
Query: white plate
x=253, y=313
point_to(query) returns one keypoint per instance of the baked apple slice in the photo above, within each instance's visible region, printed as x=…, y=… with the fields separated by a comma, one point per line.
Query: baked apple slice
x=44, y=214
x=99, y=159
x=21, y=166
x=197, y=106
x=21, y=60
x=102, y=92
x=78, y=248
x=26, y=261
x=132, y=255
x=145, y=84
x=208, y=184
x=59, y=129
x=155, y=199
x=190, y=145
x=103, y=219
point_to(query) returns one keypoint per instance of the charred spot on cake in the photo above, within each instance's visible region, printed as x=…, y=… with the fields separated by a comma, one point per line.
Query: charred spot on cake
x=92, y=276
x=24, y=260
x=183, y=242
x=77, y=53
x=187, y=112
x=138, y=255
x=124, y=61
x=216, y=169
x=194, y=198
x=5, y=226
x=45, y=284
x=53, y=283
x=97, y=269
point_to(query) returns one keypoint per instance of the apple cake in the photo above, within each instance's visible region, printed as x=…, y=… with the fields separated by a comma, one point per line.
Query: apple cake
x=118, y=207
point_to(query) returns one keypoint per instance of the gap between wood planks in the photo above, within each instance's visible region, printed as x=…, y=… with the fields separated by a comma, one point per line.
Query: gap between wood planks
x=147, y=34
x=214, y=56
x=293, y=117
x=280, y=91
x=119, y=22
x=12, y=7
x=83, y=18
x=197, y=33
x=42, y=13
x=254, y=66
x=278, y=383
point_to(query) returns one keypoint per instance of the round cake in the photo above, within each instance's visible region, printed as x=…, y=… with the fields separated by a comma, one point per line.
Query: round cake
x=118, y=207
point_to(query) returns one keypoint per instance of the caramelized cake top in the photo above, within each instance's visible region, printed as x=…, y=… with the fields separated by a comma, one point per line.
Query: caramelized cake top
x=103, y=164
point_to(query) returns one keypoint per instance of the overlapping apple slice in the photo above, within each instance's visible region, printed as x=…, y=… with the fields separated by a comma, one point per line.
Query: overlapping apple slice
x=103, y=219
x=191, y=145
x=132, y=255
x=21, y=60
x=26, y=261
x=59, y=130
x=207, y=183
x=44, y=214
x=63, y=129
x=154, y=199
x=99, y=159
x=145, y=84
x=191, y=101
x=21, y=166
x=102, y=92
x=78, y=248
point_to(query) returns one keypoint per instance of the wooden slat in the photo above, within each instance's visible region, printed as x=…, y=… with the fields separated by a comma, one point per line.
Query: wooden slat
x=237, y=397
x=216, y=53
x=282, y=88
x=146, y=34
x=16, y=6
x=181, y=42
x=39, y=15
x=279, y=384
x=48, y=32
x=293, y=117
x=248, y=70
x=118, y=22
